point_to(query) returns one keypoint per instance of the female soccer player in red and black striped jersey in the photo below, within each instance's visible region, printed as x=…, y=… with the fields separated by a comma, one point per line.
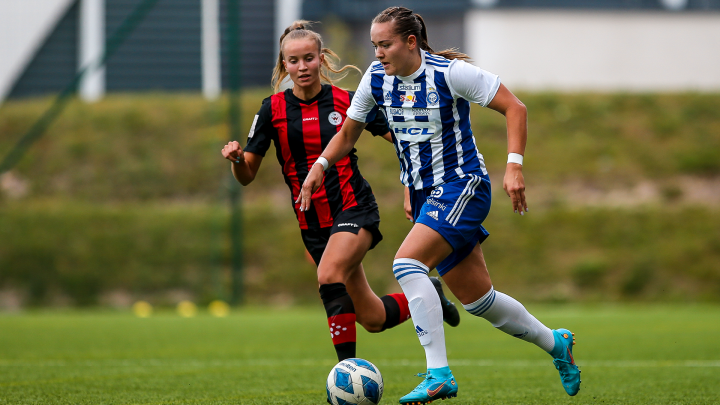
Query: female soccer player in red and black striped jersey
x=341, y=224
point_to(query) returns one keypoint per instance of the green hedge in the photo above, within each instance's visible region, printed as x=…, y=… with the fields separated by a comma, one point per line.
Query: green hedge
x=83, y=251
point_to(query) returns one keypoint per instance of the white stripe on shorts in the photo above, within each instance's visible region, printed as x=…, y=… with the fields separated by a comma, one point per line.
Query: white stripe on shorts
x=462, y=201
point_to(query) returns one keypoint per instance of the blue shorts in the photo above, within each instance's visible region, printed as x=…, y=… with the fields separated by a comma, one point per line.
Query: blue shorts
x=455, y=210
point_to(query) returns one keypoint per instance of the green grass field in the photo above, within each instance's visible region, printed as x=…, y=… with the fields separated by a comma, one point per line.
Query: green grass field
x=659, y=354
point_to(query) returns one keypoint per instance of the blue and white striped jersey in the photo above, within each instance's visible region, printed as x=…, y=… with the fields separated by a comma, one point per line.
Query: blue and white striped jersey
x=429, y=116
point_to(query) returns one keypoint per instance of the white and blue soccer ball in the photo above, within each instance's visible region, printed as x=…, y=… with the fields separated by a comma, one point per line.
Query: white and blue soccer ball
x=354, y=381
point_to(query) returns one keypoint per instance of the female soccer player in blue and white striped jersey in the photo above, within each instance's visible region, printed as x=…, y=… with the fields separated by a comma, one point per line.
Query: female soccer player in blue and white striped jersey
x=426, y=97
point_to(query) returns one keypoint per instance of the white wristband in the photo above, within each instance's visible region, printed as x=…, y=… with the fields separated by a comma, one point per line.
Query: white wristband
x=515, y=158
x=323, y=162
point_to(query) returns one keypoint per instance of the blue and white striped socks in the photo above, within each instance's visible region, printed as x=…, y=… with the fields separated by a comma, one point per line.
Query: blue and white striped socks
x=425, y=309
x=511, y=317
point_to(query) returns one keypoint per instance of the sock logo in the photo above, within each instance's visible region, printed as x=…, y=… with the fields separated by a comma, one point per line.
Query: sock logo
x=342, y=328
x=420, y=331
x=336, y=331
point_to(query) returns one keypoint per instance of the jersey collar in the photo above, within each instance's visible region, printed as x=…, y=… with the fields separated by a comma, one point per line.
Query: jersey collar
x=417, y=72
x=289, y=95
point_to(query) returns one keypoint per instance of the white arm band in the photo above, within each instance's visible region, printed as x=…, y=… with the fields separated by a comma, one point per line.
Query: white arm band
x=514, y=158
x=323, y=162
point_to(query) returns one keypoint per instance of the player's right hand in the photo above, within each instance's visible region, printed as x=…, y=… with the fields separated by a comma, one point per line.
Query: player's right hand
x=310, y=185
x=233, y=152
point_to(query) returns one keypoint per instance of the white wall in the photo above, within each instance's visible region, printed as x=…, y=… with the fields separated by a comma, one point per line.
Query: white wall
x=286, y=12
x=597, y=51
x=211, y=70
x=91, y=47
x=24, y=26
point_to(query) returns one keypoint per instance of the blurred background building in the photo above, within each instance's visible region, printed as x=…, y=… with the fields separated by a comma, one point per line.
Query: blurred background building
x=634, y=45
x=126, y=199
x=179, y=46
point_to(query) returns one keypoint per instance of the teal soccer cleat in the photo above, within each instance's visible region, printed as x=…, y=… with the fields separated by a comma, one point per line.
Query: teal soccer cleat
x=564, y=361
x=439, y=383
x=451, y=316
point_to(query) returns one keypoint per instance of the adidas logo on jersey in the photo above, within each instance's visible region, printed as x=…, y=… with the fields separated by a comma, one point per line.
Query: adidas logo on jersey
x=388, y=96
x=433, y=215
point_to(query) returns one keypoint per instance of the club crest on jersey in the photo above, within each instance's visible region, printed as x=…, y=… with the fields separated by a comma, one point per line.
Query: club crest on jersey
x=409, y=87
x=432, y=96
x=335, y=118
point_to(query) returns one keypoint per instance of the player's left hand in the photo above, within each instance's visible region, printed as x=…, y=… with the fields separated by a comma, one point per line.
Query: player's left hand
x=407, y=207
x=514, y=185
x=310, y=185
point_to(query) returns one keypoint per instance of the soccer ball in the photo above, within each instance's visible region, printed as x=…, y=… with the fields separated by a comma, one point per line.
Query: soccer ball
x=354, y=381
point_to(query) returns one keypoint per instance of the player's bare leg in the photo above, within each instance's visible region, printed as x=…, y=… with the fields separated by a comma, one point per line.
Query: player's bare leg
x=341, y=263
x=469, y=280
x=369, y=308
x=347, y=296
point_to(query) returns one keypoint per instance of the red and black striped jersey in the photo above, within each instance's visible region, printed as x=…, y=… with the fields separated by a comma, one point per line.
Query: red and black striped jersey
x=300, y=131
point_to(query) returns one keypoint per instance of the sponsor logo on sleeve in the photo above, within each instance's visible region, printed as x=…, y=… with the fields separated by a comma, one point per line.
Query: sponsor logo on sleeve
x=252, y=127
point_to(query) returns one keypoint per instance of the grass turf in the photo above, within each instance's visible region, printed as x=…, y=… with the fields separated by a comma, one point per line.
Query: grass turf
x=657, y=354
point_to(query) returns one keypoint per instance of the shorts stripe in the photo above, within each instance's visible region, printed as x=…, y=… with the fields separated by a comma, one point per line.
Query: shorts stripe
x=461, y=202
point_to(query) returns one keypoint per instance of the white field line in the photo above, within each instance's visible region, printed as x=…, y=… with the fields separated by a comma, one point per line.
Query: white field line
x=316, y=362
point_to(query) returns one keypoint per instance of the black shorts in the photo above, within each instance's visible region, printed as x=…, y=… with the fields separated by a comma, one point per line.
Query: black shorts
x=350, y=220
